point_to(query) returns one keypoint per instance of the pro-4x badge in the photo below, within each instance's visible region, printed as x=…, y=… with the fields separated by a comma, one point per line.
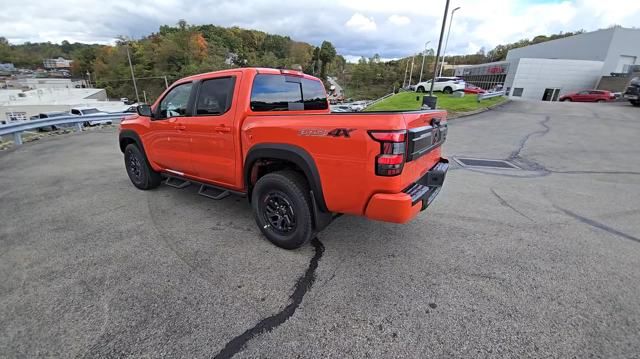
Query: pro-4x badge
x=338, y=132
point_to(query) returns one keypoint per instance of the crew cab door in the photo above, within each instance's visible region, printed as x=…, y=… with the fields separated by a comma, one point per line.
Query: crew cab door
x=167, y=143
x=212, y=130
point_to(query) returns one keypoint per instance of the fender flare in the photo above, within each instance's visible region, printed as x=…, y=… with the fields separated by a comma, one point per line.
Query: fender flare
x=130, y=135
x=291, y=153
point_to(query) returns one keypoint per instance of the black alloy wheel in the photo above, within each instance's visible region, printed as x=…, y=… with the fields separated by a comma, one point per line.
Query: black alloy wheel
x=140, y=172
x=282, y=208
x=134, y=167
x=278, y=212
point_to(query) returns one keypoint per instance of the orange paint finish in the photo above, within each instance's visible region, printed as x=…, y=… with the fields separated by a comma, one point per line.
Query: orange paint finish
x=213, y=148
x=394, y=208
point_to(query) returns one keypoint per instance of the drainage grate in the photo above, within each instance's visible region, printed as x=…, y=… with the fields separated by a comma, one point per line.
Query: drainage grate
x=478, y=162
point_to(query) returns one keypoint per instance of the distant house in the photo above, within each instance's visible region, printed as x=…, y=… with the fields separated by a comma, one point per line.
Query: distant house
x=59, y=63
x=231, y=58
x=8, y=67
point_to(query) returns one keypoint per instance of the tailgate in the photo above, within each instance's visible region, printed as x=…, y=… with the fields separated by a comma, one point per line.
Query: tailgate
x=426, y=132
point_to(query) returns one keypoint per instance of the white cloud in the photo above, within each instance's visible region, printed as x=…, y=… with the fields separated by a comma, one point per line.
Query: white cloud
x=349, y=24
x=399, y=20
x=361, y=23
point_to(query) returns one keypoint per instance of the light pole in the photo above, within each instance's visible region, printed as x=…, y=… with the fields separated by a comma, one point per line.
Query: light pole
x=423, y=57
x=444, y=53
x=411, y=71
x=406, y=71
x=133, y=77
x=435, y=69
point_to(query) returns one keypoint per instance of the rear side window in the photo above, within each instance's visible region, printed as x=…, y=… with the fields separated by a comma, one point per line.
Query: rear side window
x=215, y=95
x=313, y=94
x=287, y=93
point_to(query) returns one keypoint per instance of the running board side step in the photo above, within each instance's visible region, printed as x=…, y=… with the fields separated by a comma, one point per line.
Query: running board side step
x=213, y=192
x=177, y=182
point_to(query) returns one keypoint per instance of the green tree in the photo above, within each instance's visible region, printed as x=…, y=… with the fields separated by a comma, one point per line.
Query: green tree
x=327, y=54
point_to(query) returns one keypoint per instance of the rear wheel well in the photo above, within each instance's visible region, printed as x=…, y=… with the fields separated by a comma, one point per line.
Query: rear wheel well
x=264, y=166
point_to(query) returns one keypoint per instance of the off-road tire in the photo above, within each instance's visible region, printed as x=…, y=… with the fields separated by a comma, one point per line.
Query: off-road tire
x=140, y=172
x=290, y=190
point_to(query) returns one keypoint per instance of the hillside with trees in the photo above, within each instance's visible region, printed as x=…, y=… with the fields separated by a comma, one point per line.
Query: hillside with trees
x=175, y=52
x=183, y=49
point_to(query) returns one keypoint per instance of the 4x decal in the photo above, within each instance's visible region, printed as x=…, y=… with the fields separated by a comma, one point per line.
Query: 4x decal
x=336, y=132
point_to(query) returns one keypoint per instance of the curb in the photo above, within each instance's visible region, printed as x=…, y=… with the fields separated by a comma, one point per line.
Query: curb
x=475, y=112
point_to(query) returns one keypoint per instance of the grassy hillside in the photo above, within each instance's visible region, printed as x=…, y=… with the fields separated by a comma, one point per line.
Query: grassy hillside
x=413, y=101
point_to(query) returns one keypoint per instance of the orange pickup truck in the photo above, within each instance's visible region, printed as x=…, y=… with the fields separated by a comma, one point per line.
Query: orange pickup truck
x=269, y=135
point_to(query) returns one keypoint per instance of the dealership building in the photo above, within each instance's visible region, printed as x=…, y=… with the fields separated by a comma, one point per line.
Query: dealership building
x=601, y=59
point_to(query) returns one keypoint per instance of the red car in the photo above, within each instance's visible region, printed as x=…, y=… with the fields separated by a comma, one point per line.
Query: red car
x=589, y=96
x=473, y=89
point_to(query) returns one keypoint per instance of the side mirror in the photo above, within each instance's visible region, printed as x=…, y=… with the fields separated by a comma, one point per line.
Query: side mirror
x=144, y=110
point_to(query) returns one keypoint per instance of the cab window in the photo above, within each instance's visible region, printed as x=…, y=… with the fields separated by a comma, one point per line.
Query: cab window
x=214, y=96
x=314, y=95
x=176, y=102
x=287, y=93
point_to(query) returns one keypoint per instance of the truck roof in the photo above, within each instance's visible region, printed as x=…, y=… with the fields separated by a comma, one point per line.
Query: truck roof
x=253, y=70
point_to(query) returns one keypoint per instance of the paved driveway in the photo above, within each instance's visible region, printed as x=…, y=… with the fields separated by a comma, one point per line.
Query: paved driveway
x=538, y=262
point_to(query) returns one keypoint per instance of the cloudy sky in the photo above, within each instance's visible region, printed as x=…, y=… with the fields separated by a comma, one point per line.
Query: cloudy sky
x=356, y=27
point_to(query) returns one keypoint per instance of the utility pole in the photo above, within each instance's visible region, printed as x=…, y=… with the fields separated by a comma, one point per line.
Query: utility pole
x=406, y=70
x=435, y=69
x=423, y=57
x=411, y=71
x=133, y=76
x=444, y=53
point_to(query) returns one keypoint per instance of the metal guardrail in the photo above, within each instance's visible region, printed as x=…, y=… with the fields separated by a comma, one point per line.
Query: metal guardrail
x=486, y=95
x=16, y=128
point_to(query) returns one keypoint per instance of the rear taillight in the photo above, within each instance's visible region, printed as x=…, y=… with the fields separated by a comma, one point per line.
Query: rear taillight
x=392, y=151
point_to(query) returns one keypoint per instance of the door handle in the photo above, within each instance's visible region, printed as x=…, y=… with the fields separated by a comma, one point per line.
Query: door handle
x=180, y=127
x=223, y=129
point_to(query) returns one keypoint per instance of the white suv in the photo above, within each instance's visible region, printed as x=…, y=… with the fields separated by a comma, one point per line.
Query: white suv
x=444, y=84
x=90, y=112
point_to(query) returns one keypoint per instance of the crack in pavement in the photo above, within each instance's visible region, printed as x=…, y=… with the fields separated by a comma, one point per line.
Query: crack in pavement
x=596, y=224
x=539, y=169
x=515, y=155
x=302, y=286
x=506, y=204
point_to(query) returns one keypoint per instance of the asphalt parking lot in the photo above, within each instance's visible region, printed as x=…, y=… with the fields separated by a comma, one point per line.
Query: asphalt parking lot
x=542, y=261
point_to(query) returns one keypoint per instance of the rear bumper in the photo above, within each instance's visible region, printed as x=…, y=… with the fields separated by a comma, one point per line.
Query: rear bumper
x=404, y=206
